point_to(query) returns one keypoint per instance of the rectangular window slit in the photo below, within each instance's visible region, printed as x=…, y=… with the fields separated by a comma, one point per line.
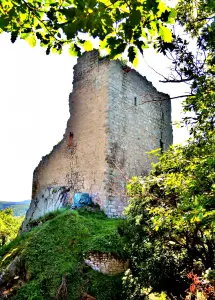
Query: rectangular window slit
x=161, y=145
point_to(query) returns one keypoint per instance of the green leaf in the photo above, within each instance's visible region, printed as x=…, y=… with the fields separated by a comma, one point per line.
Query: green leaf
x=3, y=22
x=165, y=34
x=103, y=44
x=116, y=52
x=201, y=216
x=131, y=53
x=74, y=50
x=156, y=228
x=172, y=16
x=140, y=45
x=135, y=61
x=31, y=40
x=70, y=30
x=162, y=7
x=48, y=50
x=14, y=35
x=24, y=36
x=88, y=46
x=135, y=17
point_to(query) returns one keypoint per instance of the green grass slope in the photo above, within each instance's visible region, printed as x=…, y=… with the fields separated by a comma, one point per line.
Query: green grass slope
x=53, y=253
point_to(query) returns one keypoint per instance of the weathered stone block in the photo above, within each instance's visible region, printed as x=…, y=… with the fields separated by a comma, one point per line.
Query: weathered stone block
x=109, y=265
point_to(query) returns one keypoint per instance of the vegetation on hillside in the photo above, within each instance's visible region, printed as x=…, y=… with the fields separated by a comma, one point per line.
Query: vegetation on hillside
x=56, y=249
x=19, y=208
x=171, y=216
x=9, y=226
x=171, y=222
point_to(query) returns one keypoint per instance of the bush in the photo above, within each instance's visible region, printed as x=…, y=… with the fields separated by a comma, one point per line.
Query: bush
x=171, y=221
x=9, y=226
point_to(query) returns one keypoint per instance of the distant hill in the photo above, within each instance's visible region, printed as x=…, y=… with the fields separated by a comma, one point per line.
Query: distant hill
x=19, y=208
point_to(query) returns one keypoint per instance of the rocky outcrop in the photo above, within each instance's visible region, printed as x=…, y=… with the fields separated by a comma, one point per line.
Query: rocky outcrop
x=13, y=276
x=48, y=199
x=11, y=272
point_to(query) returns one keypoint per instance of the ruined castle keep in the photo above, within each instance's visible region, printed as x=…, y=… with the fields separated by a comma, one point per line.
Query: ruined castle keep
x=116, y=116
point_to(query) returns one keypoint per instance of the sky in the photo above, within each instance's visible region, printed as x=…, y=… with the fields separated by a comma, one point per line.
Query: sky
x=34, y=91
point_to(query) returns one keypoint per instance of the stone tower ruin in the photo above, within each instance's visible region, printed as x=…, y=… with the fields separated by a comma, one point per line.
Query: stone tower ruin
x=116, y=116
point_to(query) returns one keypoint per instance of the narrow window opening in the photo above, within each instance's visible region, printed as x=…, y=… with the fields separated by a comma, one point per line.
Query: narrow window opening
x=70, y=142
x=161, y=145
x=162, y=116
x=135, y=101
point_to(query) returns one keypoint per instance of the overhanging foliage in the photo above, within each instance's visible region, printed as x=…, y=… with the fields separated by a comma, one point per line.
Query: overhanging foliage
x=118, y=24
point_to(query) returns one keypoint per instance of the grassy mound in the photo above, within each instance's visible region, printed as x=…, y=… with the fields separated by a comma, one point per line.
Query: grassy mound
x=52, y=257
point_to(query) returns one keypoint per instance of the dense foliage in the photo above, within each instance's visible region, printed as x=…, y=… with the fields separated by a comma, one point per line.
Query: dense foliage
x=55, y=251
x=171, y=216
x=195, y=65
x=9, y=226
x=119, y=24
x=172, y=220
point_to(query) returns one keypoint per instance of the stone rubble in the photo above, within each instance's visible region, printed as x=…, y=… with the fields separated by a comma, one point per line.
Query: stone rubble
x=106, y=263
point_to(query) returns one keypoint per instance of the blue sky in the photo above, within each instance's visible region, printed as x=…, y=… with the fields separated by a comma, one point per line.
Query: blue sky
x=34, y=108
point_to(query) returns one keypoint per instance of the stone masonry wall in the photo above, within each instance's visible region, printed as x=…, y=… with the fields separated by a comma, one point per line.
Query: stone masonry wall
x=82, y=165
x=134, y=128
x=106, y=263
x=112, y=131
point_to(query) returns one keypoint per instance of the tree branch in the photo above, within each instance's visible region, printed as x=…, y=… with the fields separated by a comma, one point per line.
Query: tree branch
x=155, y=70
x=182, y=96
x=176, y=81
